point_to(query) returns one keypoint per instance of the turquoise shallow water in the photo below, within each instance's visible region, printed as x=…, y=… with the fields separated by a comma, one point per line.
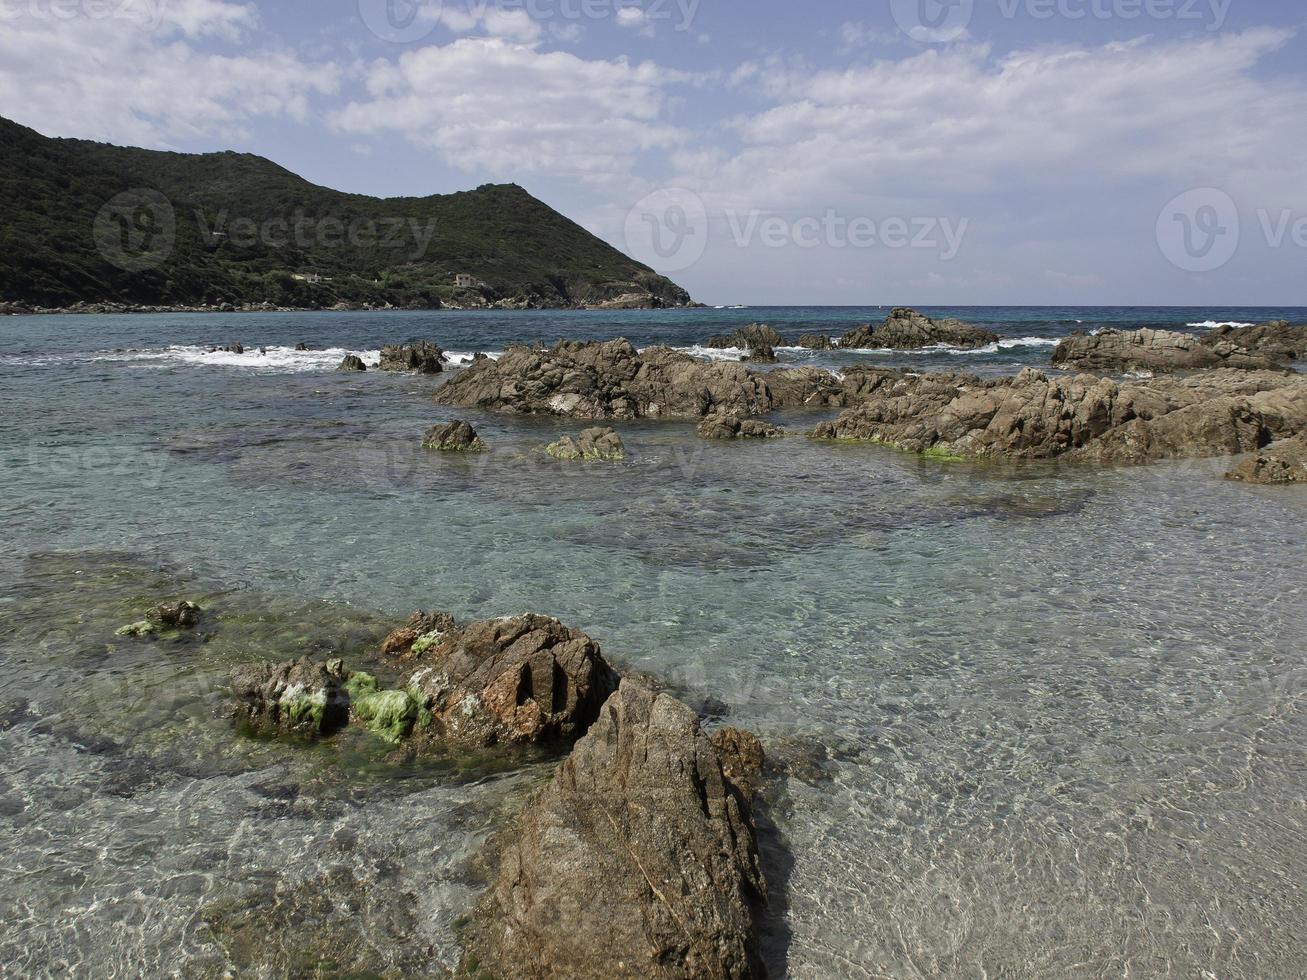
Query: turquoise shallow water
x=1053, y=717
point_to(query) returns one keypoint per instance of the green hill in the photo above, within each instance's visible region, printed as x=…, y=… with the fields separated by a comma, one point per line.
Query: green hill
x=95, y=223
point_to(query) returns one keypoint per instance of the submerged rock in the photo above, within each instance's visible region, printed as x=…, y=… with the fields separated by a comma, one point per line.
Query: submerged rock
x=906, y=329
x=301, y=697
x=592, y=444
x=1160, y=351
x=423, y=357
x=612, y=380
x=639, y=859
x=352, y=362
x=1280, y=462
x=164, y=618
x=732, y=425
x=1085, y=417
x=454, y=437
x=518, y=680
x=1276, y=339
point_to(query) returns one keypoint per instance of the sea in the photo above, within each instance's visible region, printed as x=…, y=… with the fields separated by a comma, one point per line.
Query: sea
x=1028, y=719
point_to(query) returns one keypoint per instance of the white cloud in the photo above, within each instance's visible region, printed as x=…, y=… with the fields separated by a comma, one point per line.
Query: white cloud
x=515, y=25
x=491, y=106
x=958, y=121
x=134, y=74
x=635, y=19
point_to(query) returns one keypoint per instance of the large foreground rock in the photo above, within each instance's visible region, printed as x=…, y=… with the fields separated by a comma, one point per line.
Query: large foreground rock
x=1281, y=462
x=906, y=329
x=517, y=680
x=638, y=860
x=1159, y=351
x=612, y=380
x=423, y=357
x=1215, y=413
x=1276, y=339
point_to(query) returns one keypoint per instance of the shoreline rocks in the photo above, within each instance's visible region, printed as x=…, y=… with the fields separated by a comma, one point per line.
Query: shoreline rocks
x=454, y=437
x=906, y=329
x=1160, y=351
x=595, y=443
x=1086, y=418
x=638, y=859
x=1279, y=463
x=352, y=362
x=301, y=697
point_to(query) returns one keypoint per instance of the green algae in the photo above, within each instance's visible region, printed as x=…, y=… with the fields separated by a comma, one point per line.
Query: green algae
x=390, y=715
x=424, y=643
x=143, y=628
x=303, y=708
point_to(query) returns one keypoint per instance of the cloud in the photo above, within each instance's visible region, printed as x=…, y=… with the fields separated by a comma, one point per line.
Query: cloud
x=136, y=73
x=515, y=25
x=491, y=106
x=635, y=19
x=959, y=121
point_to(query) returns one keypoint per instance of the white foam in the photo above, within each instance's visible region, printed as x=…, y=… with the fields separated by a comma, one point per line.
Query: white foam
x=1212, y=324
x=462, y=358
x=277, y=360
x=1007, y=343
x=714, y=353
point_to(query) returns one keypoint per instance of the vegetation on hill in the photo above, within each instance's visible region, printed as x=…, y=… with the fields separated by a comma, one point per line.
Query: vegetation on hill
x=84, y=222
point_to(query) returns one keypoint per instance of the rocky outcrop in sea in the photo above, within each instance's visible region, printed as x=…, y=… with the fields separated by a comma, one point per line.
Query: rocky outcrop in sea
x=1277, y=339
x=611, y=380
x=1159, y=351
x=457, y=436
x=906, y=329
x=595, y=443
x=1215, y=413
x=733, y=425
x=423, y=357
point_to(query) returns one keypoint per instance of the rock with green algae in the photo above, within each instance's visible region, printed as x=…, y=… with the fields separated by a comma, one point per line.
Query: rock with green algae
x=421, y=625
x=301, y=697
x=391, y=715
x=592, y=444
x=454, y=437
x=165, y=617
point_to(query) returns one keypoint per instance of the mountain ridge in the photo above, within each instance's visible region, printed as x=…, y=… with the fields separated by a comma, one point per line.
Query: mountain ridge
x=93, y=223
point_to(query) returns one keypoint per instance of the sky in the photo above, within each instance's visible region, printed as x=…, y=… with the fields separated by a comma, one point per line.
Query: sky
x=919, y=152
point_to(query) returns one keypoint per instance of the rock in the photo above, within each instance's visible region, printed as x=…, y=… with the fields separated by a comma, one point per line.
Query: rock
x=815, y=341
x=175, y=615
x=1277, y=339
x=594, y=443
x=301, y=697
x=1083, y=418
x=517, y=680
x=732, y=425
x=1160, y=351
x=421, y=626
x=422, y=357
x=761, y=355
x=906, y=329
x=639, y=859
x=352, y=362
x=454, y=437
x=612, y=380
x=755, y=335
x=1280, y=462
x=742, y=758
x=234, y=349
